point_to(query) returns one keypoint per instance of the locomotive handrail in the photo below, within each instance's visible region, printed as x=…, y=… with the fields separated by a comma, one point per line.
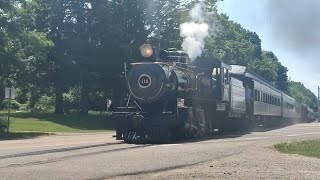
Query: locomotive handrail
x=149, y=63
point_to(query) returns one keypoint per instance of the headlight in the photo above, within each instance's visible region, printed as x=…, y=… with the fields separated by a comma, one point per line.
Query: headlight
x=146, y=50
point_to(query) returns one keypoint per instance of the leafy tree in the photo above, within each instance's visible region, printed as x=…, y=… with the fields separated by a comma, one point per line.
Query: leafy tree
x=21, y=45
x=303, y=95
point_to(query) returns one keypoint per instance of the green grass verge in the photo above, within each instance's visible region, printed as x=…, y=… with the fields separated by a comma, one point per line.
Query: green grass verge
x=308, y=148
x=47, y=122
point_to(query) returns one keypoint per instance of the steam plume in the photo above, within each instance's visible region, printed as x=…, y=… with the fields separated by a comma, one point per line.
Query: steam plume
x=194, y=32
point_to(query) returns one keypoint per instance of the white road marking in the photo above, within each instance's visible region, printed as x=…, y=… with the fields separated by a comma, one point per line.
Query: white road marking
x=166, y=145
x=258, y=138
x=294, y=135
x=255, y=138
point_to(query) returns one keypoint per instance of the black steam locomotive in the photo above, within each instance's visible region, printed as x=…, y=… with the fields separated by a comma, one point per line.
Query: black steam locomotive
x=171, y=97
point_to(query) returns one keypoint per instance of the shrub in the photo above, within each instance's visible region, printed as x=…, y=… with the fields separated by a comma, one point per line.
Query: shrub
x=3, y=125
x=45, y=104
x=15, y=105
x=23, y=107
x=70, y=101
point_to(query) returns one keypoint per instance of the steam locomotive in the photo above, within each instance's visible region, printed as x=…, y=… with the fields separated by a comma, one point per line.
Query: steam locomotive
x=170, y=97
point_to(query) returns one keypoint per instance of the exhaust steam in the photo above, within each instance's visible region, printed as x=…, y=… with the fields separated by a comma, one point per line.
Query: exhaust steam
x=194, y=32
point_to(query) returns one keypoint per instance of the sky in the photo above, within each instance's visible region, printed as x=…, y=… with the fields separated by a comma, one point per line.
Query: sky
x=289, y=28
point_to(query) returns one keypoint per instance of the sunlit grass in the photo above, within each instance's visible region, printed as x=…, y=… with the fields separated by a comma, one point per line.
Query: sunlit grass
x=47, y=122
x=308, y=148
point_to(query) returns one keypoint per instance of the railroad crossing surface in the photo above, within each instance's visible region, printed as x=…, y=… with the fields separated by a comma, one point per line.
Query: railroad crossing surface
x=99, y=156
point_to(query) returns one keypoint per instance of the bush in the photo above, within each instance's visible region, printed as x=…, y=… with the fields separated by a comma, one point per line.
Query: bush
x=3, y=125
x=70, y=101
x=23, y=107
x=45, y=104
x=15, y=105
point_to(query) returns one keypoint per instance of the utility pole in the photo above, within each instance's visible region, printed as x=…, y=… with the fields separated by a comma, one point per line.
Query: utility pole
x=10, y=93
x=318, y=104
x=318, y=98
x=9, y=109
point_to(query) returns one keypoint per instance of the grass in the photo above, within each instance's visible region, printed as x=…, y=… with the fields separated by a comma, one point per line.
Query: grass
x=309, y=148
x=37, y=123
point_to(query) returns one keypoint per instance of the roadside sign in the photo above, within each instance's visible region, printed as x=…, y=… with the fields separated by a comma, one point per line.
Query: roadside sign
x=10, y=93
x=109, y=103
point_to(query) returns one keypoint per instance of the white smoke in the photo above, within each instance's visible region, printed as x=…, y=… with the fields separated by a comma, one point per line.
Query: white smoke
x=194, y=32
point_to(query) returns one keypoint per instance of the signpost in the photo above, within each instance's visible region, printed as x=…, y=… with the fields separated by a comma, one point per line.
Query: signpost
x=10, y=93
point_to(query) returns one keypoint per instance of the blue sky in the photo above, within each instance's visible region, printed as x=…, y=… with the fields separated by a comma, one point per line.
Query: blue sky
x=254, y=15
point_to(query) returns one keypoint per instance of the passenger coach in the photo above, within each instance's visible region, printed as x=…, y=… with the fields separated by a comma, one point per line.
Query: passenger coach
x=266, y=103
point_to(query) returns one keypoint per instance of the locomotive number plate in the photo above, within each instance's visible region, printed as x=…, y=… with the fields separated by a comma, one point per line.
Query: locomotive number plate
x=144, y=81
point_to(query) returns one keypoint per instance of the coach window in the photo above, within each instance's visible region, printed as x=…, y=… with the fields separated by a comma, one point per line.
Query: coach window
x=273, y=100
x=266, y=98
x=270, y=99
x=255, y=95
x=259, y=96
x=226, y=76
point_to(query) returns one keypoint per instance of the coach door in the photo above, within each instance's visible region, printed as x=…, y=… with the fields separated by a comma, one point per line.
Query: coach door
x=225, y=85
x=222, y=77
x=249, y=94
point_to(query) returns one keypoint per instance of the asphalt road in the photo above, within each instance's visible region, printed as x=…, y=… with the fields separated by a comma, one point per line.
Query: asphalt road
x=99, y=156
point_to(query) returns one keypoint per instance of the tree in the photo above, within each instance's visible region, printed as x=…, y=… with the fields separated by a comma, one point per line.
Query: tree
x=282, y=78
x=303, y=95
x=21, y=45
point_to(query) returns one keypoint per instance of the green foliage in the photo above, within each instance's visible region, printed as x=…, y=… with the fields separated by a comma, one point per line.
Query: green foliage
x=232, y=43
x=45, y=104
x=71, y=99
x=307, y=148
x=303, y=95
x=15, y=105
x=48, y=122
x=235, y=45
x=3, y=125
